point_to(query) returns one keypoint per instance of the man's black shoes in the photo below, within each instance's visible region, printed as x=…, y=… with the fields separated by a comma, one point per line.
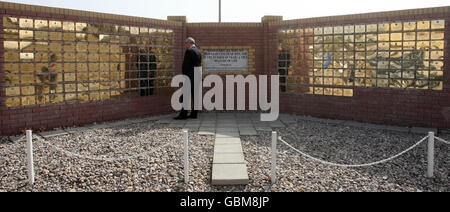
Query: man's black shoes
x=193, y=117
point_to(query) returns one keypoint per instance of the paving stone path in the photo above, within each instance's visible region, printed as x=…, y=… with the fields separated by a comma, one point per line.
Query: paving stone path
x=229, y=166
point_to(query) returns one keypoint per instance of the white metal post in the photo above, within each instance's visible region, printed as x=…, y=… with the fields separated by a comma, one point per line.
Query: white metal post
x=274, y=157
x=430, y=170
x=186, y=156
x=30, y=165
x=220, y=11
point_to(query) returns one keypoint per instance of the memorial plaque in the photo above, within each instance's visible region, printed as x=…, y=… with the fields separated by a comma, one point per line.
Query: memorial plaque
x=225, y=60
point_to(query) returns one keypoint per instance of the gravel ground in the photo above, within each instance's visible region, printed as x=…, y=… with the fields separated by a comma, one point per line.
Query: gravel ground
x=346, y=145
x=162, y=170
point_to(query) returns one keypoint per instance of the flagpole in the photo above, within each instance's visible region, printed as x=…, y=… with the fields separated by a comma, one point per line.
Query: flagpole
x=220, y=11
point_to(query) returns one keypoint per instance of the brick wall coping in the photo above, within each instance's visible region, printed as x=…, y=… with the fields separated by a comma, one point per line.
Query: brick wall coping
x=374, y=15
x=88, y=14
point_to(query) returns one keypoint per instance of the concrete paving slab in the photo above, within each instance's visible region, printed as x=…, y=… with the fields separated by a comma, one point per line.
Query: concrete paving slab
x=397, y=129
x=423, y=131
x=229, y=174
x=98, y=126
x=250, y=124
x=264, y=129
x=221, y=123
x=17, y=138
x=191, y=128
x=227, y=114
x=209, y=117
x=76, y=129
x=355, y=124
x=165, y=121
x=207, y=124
x=228, y=148
x=227, y=135
x=277, y=124
x=232, y=158
x=146, y=119
x=53, y=133
x=309, y=118
x=248, y=132
x=208, y=128
x=118, y=124
x=333, y=121
x=288, y=119
x=247, y=127
x=227, y=140
x=137, y=121
x=226, y=129
x=225, y=119
x=176, y=125
x=261, y=123
x=194, y=121
x=207, y=131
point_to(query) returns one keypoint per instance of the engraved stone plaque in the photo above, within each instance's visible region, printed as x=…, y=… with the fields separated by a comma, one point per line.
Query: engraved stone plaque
x=225, y=60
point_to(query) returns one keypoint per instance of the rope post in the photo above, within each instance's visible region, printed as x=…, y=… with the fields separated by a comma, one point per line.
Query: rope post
x=29, y=149
x=186, y=156
x=274, y=157
x=430, y=170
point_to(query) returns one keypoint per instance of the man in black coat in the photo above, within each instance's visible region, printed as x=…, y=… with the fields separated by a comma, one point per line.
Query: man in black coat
x=192, y=58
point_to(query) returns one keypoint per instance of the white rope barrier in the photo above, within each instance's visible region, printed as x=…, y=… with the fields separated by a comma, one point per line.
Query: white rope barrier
x=353, y=166
x=72, y=154
x=23, y=138
x=442, y=140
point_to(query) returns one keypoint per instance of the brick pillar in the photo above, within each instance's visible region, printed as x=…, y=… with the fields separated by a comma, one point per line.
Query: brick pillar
x=179, y=45
x=269, y=52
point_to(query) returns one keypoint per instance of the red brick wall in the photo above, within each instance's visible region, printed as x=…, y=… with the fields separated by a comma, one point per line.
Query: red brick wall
x=232, y=35
x=224, y=35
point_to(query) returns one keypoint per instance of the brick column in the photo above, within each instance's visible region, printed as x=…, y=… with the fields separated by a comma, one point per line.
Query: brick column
x=179, y=45
x=269, y=43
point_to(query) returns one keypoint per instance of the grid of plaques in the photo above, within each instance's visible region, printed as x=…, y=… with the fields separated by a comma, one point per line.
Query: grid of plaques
x=333, y=60
x=53, y=61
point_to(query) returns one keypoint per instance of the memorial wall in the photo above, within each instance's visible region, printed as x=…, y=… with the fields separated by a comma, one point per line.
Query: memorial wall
x=61, y=68
x=332, y=60
x=49, y=61
x=387, y=68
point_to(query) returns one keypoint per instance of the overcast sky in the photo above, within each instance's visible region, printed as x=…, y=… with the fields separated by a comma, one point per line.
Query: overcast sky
x=236, y=10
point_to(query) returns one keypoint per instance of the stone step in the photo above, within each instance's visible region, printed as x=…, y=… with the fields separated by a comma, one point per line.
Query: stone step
x=229, y=167
x=229, y=174
x=227, y=135
x=228, y=158
x=54, y=133
x=226, y=129
x=228, y=148
x=219, y=141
